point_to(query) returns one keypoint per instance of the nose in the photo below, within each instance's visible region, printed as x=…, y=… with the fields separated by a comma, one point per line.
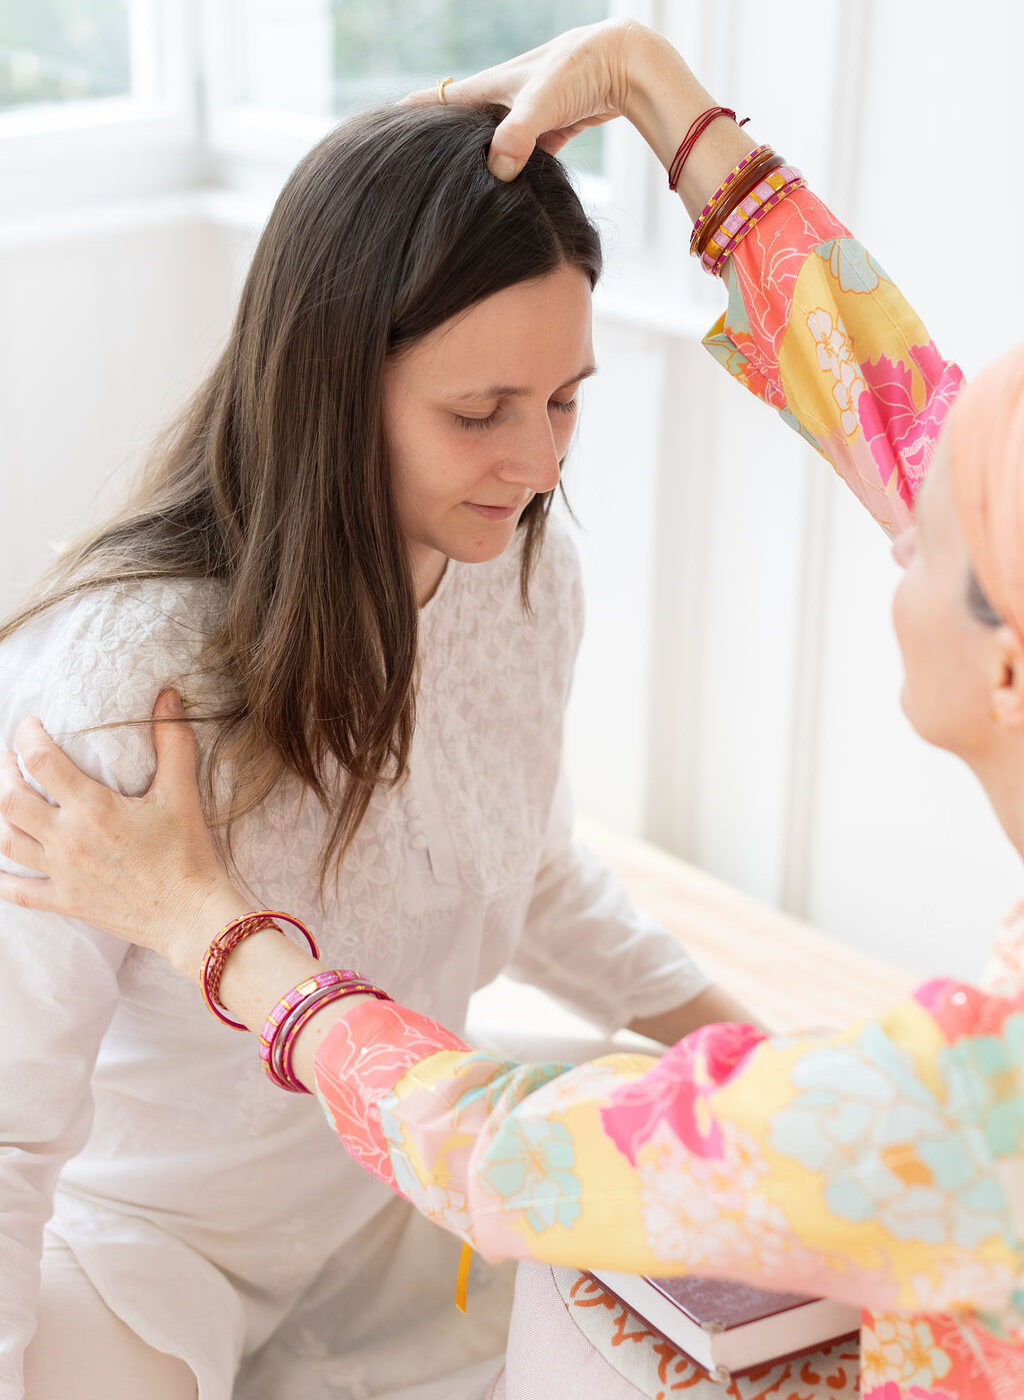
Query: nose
x=903, y=546
x=536, y=462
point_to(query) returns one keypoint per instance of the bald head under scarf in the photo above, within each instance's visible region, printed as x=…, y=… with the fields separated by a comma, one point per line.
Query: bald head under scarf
x=985, y=438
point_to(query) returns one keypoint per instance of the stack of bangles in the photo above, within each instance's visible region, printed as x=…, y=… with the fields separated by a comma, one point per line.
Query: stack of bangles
x=760, y=182
x=290, y=1015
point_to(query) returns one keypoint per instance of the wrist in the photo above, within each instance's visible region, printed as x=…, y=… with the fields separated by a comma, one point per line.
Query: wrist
x=198, y=920
x=660, y=91
x=663, y=101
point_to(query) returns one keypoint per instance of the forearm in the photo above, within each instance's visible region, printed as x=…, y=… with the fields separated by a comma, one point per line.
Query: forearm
x=709, y=1007
x=663, y=99
x=729, y=1154
x=257, y=974
x=813, y=327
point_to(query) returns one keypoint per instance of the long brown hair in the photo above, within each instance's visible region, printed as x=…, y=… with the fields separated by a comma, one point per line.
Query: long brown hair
x=275, y=479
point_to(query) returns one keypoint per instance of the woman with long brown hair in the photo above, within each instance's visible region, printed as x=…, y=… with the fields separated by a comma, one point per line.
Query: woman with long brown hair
x=342, y=559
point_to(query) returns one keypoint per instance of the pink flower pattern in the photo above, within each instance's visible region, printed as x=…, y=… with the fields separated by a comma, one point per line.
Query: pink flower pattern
x=676, y=1092
x=961, y=1010
x=903, y=435
x=899, y=392
x=360, y=1059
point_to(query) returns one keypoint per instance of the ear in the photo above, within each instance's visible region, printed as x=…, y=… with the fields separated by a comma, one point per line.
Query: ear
x=1007, y=694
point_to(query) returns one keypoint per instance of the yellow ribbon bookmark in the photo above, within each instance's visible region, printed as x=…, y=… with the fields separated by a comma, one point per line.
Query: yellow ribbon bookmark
x=462, y=1278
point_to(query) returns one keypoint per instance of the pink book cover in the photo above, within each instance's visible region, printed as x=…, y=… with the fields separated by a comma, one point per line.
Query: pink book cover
x=720, y=1304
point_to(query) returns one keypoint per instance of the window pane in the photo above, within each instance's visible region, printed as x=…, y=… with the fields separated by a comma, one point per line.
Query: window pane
x=333, y=57
x=63, y=50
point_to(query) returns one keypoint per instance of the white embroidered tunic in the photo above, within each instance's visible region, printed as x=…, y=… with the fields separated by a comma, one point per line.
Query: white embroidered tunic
x=214, y=1213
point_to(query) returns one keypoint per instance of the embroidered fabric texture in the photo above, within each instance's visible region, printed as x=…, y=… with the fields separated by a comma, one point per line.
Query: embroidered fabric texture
x=439, y=892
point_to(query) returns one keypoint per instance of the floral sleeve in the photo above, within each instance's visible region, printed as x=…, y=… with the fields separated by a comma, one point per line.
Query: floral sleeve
x=816, y=329
x=883, y=1164
x=878, y=1164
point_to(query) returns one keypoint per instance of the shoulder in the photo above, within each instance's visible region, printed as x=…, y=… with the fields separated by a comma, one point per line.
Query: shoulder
x=100, y=659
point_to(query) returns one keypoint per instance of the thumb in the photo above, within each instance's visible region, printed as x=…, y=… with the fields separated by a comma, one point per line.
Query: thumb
x=175, y=744
x=512, y=144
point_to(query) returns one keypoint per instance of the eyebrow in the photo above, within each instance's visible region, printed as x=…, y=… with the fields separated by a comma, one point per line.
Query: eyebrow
x=514, y=391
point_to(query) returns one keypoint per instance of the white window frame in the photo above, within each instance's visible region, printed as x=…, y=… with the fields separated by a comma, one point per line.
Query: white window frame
x=255, y=145
x=182, y=131
x=99, y=149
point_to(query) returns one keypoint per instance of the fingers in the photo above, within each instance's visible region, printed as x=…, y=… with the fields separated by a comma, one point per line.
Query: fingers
x=48, y=764
x=21, y=849
x=21, y=811
x=24, y=812
x=513, y=142
x=175, y=779
x=514, y=138
x=26, y=892
x=489, y=85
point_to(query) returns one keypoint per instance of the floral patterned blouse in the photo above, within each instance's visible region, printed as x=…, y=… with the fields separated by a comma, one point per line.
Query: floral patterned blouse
x=882, y=1164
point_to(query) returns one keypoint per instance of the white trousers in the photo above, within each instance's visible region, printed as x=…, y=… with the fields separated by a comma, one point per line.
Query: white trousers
x=83, y=1351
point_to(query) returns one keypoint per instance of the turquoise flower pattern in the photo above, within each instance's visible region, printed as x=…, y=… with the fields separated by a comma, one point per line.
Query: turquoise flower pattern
x=996, y=1064
x=851, y=265
x=887, y=1149
x=529, y=1165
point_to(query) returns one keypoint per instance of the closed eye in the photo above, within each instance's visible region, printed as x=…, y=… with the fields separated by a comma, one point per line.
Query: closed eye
x=569, y=406
x=470, y=423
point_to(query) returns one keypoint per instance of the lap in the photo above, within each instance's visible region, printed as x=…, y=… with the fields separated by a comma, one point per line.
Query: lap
x=83, y=1351
x=569, y=1338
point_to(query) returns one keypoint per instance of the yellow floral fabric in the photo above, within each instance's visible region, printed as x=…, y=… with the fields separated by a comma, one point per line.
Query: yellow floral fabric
x=882, y=1164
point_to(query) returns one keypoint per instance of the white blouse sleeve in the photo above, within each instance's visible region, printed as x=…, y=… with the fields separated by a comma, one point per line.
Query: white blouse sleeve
x=58, y=977
x=584, y=942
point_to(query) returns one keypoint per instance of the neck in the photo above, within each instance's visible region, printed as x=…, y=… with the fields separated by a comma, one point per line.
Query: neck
x=428, y=566
x=1002, y=777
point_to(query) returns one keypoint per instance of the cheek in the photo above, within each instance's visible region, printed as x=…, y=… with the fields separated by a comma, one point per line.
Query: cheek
x=905, y=613
x=564, y=428
x=942, y=695
x=914, y=624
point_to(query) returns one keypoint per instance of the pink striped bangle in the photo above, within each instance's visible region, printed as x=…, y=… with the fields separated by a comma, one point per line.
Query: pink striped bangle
x=772, y=190
x=287, y=1017
x=289, y=1036
x=715, y=200
x=279, y=1013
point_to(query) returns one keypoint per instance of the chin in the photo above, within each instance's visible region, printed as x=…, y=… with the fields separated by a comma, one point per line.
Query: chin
x=935, y=729
x=484, y=545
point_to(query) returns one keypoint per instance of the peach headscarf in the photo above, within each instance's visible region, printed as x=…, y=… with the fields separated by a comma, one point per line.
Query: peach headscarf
x=986, y=467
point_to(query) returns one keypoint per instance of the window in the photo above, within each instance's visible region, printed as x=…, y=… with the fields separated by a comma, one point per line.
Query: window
x=322, y=59
x=64, y=51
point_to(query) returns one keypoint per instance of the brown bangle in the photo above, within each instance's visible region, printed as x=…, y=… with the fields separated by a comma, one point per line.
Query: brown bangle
x=733, y=195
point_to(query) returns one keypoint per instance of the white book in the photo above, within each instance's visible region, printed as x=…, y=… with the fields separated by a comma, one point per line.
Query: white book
x=729, y=1327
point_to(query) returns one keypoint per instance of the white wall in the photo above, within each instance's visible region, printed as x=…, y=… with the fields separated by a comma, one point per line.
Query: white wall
x=109, y=320
x=777, y=755
x=737, y=691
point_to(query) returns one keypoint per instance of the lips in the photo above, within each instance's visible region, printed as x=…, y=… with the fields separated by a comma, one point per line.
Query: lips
x=494, y=512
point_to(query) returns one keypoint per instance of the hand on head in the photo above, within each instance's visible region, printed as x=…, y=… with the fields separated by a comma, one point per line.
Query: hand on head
x=136, y=866
x=554, y=92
